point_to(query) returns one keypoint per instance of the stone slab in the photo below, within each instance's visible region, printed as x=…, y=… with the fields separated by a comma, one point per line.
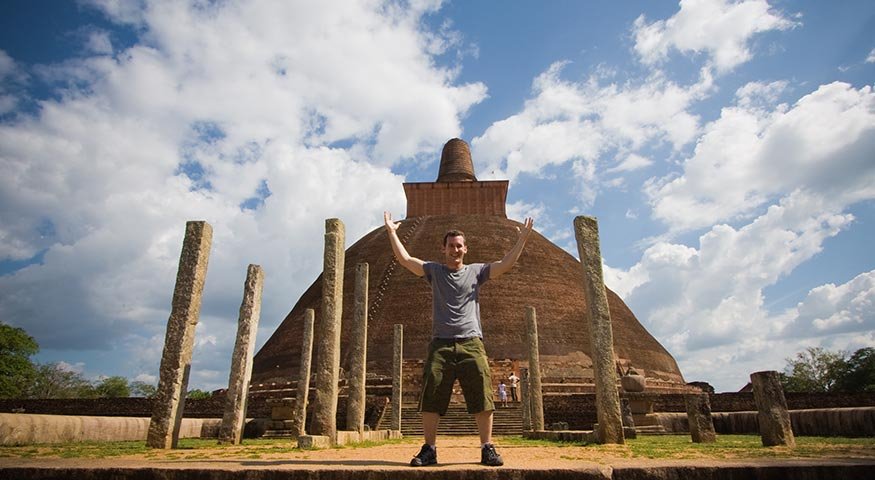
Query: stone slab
x=347, y=437
x=314, y=441
x=850, y=470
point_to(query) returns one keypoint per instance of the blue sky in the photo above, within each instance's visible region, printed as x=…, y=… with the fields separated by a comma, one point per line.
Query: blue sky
x=726, y=147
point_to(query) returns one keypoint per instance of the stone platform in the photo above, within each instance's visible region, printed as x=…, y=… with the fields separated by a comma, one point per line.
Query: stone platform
x=458, y=459
x=385, y=469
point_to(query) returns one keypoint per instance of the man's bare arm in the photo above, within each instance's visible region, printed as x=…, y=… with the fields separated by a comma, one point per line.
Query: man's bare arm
x=410, y=263
x=505, y=264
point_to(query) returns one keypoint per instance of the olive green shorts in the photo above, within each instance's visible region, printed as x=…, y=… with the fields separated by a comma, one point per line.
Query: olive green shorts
x=448, y=360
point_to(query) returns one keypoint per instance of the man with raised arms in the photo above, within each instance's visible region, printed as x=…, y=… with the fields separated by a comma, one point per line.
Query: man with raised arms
x=456, y=350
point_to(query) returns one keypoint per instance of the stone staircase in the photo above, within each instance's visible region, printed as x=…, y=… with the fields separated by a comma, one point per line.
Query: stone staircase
x=457, y=421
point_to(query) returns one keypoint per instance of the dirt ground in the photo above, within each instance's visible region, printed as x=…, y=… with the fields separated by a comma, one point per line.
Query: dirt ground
x=454, y=453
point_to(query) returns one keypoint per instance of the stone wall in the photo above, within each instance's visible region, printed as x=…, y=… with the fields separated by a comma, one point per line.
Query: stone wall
x=742, y=402
x=27, y=429
x=822, y=422
x=579, y=411
x=124, y=407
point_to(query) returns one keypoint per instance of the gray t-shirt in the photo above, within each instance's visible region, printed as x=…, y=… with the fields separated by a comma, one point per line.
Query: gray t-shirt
x=456, y=299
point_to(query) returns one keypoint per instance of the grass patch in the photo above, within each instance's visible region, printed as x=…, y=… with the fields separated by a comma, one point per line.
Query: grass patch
x=374, y=443
x=644, y=447
x=533, y=442
x=188, y=448
x=748, y=446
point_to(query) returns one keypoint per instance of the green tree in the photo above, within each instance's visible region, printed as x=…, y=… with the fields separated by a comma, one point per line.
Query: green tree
x=53, y=381
x=113, y=387
x=143, y=389
x=813, y=370
x=858, y=372
x=16, y=369
x=198, y=394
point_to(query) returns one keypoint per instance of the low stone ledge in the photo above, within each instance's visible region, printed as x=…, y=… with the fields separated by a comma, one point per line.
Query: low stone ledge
x=27, y=429
x=584, y=436
x=345, y=437
x=314, y=441
x=813, y=469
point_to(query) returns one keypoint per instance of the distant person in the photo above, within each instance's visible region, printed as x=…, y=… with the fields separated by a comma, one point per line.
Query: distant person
x=456, y=350
x=502, y=393
x=514, y=383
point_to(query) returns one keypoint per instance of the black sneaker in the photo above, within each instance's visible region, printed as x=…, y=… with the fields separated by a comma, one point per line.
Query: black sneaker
x=488, y=456
x=427, y=456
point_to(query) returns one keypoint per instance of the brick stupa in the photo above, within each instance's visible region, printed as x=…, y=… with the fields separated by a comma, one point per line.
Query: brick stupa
x=546, y=277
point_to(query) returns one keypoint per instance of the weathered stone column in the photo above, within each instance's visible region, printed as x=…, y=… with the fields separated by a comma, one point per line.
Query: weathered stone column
x=234, y=417
x=327, y=333
x=536, y=399
x=699, y=418
x=397, y=380
x=773, y=417
x=299, y=416
x=610, y=421
x=358, y=344
x=525, y=399
x=169, y=399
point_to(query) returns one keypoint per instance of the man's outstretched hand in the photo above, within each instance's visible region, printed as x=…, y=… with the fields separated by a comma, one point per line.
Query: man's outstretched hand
x=527, y=228
x=390, y=225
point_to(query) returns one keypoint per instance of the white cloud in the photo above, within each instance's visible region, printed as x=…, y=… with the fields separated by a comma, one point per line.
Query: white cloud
x=749, y=156
x=520, y=210
x=219, y=109
x=632, y=162
x=760, y=95
x=719, y=28
x=99, y=42
x=11, y=76
x=709, y=298
x=871, y=57
x=578, y=123
x=836, y=309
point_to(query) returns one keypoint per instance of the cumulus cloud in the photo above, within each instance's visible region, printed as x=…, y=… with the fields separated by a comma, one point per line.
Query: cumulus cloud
x=720, y=29
x=11, y=78
x=99, y=42
x=787, y=174
x=577, y=123
x=223, y=113
x=823, y=144
x=836, y=309
x=632, y=162
x=710, y=297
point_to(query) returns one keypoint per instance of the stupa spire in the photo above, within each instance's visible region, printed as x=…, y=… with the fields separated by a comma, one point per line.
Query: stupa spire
x=456, y=163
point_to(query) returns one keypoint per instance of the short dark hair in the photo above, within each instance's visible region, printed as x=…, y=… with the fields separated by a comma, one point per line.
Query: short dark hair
x=454, y=233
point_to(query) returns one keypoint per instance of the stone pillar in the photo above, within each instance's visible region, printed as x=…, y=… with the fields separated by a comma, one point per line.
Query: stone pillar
x=536, y=399
x=231, y=430
x=699, y=418
x=525, y=399
x=610, y=422
x=169, y=399
x=299, y=416
x=397, y=380
x=358, y=344
x=773, y=417
x=327, y=333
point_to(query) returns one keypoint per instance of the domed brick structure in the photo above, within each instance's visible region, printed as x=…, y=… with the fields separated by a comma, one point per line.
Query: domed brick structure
x=545, y=277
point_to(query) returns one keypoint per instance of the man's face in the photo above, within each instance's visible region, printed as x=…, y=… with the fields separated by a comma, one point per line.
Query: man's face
x=454, y=251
